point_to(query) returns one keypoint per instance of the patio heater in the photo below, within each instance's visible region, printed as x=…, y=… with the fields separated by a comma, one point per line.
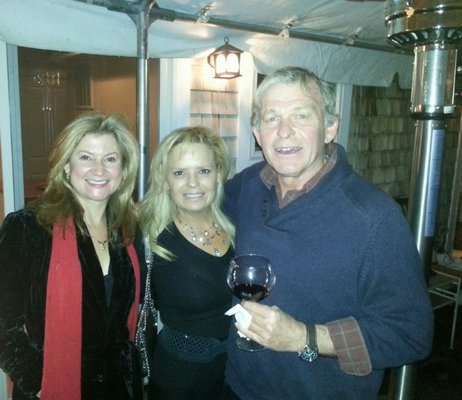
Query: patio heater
x=433, y=28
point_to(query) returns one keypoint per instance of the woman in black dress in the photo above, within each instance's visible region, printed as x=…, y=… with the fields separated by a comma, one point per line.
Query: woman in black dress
x=192, y=244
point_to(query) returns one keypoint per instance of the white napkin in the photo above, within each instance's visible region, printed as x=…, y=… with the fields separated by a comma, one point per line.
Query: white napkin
x=242, y=316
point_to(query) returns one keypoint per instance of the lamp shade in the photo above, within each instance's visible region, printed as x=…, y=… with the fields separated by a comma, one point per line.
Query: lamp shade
x=226, y=60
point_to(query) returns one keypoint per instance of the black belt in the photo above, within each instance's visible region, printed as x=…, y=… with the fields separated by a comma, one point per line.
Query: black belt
x=191, y=347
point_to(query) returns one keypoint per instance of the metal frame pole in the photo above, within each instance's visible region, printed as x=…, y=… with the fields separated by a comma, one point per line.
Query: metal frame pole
x=143, y=21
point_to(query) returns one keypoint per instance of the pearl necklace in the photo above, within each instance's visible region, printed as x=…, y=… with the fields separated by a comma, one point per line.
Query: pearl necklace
x=205, y=237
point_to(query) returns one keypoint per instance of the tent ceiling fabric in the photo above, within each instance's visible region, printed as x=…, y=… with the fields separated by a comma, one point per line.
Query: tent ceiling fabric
x=347, y=39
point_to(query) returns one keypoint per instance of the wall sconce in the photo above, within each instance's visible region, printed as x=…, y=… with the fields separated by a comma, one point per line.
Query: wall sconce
x=226, y=60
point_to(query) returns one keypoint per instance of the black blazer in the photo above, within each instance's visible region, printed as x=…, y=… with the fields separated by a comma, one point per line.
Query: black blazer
x=25, y=250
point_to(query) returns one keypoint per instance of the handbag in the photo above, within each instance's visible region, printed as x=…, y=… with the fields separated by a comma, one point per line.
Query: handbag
x=146, y=328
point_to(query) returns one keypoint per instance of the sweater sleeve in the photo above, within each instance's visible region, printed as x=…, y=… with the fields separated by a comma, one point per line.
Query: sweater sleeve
x=395, y=315
x=20, y=358
x=234, y=186
x=231, y=195
x=394, y=325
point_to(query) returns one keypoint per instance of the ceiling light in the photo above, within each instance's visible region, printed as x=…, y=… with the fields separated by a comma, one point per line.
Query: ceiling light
x=226, y=60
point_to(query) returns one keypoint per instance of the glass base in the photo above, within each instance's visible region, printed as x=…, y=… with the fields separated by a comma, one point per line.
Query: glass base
x=246, y=344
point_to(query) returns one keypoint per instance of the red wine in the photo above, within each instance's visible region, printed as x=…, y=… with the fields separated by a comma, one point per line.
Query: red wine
x=250, y=291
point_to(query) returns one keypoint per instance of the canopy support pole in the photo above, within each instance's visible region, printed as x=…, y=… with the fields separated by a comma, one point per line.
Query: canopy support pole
x=142, y=21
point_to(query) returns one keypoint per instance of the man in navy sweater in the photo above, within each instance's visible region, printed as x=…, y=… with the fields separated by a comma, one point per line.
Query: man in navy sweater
x=350, y=298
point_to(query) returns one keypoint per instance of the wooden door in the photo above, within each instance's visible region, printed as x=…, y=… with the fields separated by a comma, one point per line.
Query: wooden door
x=43, y=97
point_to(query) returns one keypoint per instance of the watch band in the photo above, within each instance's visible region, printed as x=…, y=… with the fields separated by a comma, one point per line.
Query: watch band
x=312, y=340
x=310, y=351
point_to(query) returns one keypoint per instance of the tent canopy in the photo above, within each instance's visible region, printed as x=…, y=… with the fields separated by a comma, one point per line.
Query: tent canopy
x=343, y=41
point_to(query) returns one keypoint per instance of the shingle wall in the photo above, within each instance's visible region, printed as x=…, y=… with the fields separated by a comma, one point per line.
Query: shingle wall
x=381, y=142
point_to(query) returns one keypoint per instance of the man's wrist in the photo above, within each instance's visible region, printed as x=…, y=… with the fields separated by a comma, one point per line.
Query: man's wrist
x=309, y=353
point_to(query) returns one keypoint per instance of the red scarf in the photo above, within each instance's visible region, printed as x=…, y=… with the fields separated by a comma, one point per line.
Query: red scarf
x=63, y=319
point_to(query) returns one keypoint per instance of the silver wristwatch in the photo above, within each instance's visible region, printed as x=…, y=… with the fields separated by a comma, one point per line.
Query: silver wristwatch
x=310, y=351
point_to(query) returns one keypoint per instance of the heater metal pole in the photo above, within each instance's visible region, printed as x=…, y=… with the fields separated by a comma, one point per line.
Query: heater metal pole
x=431, y=27
x=425, y=185
x=455, y=196
x=432, y=98
x=431, y=125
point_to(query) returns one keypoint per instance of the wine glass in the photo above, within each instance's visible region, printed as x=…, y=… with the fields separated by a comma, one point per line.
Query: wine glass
x=250, y=277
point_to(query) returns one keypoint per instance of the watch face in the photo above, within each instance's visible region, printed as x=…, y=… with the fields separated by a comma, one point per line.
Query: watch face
x=309, y=354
